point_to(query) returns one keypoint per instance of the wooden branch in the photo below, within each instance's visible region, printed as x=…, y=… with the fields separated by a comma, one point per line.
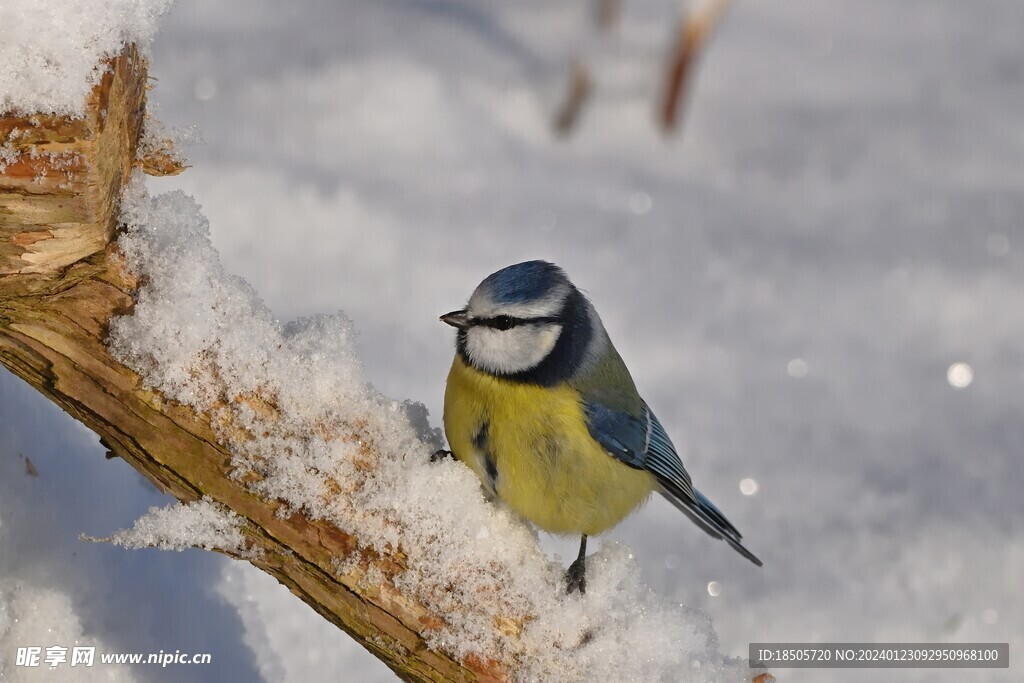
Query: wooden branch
x=61, y=283
x=59, y=193
x=695, y=29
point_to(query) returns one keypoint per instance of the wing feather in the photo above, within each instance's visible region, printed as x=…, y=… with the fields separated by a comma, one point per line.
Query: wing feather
x=642, y=443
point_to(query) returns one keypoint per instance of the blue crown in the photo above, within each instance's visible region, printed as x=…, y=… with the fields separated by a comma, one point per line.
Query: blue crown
x=524, y=282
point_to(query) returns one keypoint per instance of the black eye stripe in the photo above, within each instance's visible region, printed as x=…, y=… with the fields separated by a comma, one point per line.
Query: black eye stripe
x=507, y=322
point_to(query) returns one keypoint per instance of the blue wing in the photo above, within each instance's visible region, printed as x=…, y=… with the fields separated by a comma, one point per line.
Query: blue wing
x=641, y=442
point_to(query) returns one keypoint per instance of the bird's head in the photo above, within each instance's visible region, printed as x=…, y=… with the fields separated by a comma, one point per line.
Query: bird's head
x=525, y=321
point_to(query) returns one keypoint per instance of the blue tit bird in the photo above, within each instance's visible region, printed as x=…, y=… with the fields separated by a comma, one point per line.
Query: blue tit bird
x=541, y=407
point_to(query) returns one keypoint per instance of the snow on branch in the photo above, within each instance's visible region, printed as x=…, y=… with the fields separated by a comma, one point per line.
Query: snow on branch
x=53, y=54
x=199, y=524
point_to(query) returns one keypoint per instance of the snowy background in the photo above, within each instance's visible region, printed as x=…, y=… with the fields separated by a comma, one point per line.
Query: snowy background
x=790, y=281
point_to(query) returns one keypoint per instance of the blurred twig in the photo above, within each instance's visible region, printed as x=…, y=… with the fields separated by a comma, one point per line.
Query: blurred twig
x=579, y=92
x=694, y=30
x=606, y=17
x=607, y=13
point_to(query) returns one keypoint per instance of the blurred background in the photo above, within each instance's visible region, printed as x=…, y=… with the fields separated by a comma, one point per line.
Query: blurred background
x=817, y=282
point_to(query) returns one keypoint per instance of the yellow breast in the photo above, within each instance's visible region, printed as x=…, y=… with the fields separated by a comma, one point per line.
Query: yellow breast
x=530, y=446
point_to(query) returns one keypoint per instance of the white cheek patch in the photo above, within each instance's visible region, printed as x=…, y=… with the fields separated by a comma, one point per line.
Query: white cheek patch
x=514, y=350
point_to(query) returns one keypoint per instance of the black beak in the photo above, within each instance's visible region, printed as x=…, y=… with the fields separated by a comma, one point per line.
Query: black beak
x=457, y=319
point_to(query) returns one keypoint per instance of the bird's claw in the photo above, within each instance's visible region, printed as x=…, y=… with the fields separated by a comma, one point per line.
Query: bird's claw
x=576, y=577
x=441, y=454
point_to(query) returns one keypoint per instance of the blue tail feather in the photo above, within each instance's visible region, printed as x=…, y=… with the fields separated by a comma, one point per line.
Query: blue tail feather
x=709, y=518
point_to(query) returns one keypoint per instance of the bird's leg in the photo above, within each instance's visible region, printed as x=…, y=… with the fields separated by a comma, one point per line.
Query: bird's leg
x=576, y=575
x=441, y=454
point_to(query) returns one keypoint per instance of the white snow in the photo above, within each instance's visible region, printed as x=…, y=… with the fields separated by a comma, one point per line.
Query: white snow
x=51, y=53
x=332, y=447
x=31, y=616
x=199, y=524
x=171, y=142
x=8, y=155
